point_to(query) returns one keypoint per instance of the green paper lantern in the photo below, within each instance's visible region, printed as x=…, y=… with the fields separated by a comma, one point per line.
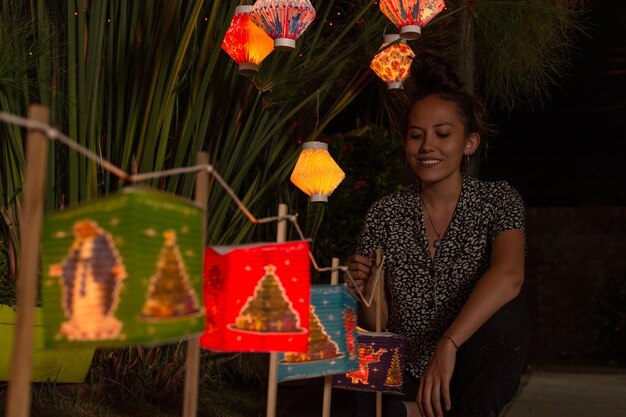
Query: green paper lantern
x=123, y=270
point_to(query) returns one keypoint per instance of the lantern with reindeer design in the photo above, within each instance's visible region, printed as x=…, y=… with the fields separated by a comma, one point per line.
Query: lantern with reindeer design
x=381, y=364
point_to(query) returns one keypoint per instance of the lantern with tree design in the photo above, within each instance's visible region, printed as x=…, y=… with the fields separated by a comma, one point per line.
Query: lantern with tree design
x=122, y=270
x=257, y=297
x=332, y=336
x=381, y=361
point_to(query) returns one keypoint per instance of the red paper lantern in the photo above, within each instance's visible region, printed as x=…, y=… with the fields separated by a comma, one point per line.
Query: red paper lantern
x=410, y=16
x=393, y=64
x=257, y=297
x=283, y=20
x=246, y=43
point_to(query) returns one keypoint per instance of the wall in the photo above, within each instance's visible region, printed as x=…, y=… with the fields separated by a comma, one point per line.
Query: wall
x=572, y=251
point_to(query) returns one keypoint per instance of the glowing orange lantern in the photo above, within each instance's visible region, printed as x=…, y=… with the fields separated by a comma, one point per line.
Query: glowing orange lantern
x=393, y=63
x=246, y=43
x=257, y=297
x=283, y=20
x=316, y=173
x=410, y=16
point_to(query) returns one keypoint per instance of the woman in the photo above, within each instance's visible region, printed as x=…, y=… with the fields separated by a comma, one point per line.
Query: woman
x=454, y=265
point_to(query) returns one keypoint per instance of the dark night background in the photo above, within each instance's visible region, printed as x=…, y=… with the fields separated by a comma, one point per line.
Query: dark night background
x=571, y=152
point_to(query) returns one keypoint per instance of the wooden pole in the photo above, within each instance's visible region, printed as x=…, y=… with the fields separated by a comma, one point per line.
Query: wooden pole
x=192, y=362
x=379, y=303
x=328, y=379
x=272, y=384
x=19, y=395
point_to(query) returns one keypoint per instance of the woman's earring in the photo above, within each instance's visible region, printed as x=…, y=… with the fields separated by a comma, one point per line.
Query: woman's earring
x=467, y=161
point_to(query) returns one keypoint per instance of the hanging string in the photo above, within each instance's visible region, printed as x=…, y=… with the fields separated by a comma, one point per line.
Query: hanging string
x=54, y=134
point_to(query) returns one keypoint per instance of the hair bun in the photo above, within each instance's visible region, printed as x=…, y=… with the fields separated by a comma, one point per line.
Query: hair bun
x=431, y=73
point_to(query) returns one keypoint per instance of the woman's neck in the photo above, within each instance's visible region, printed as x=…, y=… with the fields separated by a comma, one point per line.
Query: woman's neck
x=442, y=193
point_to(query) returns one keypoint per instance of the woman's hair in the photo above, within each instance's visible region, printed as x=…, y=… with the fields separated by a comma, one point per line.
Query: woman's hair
x=432, y=75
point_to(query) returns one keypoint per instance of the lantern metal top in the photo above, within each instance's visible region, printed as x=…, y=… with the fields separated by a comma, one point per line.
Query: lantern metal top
x=315, y=145
x=284, y=44
x=243, y=9
x=248, y=68
x=410, y=32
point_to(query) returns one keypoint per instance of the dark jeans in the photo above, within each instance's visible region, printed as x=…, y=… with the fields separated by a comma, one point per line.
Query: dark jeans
x=486, y=376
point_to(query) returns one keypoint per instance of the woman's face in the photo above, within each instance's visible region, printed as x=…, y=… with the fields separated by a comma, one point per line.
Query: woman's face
x=435, y=143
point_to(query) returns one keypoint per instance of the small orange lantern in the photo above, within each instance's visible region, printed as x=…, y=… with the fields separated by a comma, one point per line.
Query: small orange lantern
x=246, y=43
x=393, y=63
x=410, y=16
x=283, y=20
x=316, y=173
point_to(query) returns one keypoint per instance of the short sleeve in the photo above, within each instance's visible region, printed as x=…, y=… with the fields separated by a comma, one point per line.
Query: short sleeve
x=509, y=211
x=370, y=236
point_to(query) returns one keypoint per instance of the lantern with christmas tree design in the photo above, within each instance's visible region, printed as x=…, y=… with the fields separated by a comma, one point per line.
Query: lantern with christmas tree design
x=332, y=336
x=257, y=297
x=123, y=270
x=381, y=361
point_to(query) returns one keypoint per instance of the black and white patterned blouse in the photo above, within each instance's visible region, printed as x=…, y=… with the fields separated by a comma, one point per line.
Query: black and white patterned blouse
x=424, y=296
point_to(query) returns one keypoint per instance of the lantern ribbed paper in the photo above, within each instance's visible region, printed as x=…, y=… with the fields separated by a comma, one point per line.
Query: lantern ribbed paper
x=332, y=337
x=123, y=270
x=283, y=20
x=393, y=64
x=316, y=173
x=411, y=15
x=246, y=43
x=381, y=364
x=257, y=297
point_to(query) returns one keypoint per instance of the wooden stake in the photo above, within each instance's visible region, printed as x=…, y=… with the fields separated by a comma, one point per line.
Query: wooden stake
x=379, y=302
x=328, y=379
x=19, y=395
x=192, y=363
x=272, y=384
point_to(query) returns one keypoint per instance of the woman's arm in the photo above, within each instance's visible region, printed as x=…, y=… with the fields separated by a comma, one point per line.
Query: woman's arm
x=362, y=269
x=500, y=284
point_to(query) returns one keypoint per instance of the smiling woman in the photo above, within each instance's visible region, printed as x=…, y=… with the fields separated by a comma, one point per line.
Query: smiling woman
x=454, y=250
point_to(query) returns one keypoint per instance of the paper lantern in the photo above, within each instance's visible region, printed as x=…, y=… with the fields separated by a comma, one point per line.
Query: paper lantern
x=123, y=270
x=381, y=364
x=246, y=43
x=393, y=64
x=257, y=297
x=283, y=20
x=332, y=337
x=316, y=173
x=410, y=16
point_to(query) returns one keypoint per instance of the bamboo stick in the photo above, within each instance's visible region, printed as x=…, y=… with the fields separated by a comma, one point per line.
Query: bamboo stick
x=192, y=363
x=19, y=395
x=379, y=303
x=272, y=384
x=328, y=379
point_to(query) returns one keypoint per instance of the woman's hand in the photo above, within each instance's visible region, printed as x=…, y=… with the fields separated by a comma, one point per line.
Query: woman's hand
x=360, y=269
x=434, y=386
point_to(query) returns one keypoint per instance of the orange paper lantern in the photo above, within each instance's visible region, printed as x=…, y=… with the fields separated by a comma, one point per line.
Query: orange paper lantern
x=393, y=64
x=316, y=173
x=283, y=20
x=246, y=43
x=410, y=16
